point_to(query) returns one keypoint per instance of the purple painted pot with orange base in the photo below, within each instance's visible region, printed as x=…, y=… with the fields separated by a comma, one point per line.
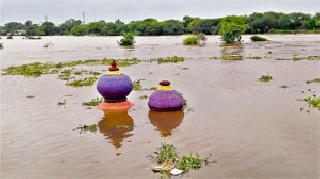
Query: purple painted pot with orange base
x=165, y=98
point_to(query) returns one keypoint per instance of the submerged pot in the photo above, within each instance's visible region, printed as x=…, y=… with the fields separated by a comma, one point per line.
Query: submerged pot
x=114, y=86
x=165, y=98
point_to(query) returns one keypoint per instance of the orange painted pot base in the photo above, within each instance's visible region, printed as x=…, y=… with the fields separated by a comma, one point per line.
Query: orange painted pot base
x=125, y=105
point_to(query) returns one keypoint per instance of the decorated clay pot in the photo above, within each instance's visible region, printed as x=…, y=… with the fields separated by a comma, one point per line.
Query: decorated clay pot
x=114, y=86
x=165, y=98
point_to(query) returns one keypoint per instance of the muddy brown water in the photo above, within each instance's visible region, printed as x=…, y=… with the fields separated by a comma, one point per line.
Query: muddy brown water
x=254, y=129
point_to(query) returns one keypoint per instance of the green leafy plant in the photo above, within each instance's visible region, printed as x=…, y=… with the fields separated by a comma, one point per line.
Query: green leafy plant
x=189, y=162
x=265, y=78
x=165, y=151
x=313, y=101
x=173, y=59
x=257, y=38
x=127, y=39
x=88, y=81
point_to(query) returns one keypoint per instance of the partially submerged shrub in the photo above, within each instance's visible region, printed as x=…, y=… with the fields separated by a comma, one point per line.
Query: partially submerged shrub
x=194, y=39
x=257, y=38
x=127, y=39
x=232, y=27
x=265, y=78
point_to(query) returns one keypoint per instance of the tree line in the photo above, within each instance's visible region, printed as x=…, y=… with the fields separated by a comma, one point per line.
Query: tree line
x=257, y=23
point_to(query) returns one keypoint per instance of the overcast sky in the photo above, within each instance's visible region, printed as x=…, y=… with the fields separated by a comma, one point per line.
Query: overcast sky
x=128, y=10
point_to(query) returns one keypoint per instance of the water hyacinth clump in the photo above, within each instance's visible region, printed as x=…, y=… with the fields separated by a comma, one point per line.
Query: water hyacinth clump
x=173, y=59
x=164, y=152
x=93, y=102
x=87, y=81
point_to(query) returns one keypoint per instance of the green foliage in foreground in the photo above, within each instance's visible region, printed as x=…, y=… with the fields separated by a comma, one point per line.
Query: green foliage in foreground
x=164, y=152
x=313, y=101
x=232, y=27
x=127, y=40
x=257, y=38
x=265, y=78
x=185, y=163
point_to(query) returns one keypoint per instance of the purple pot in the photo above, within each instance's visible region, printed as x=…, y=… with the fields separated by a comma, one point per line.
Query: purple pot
x=114, y=88
x=166, y=101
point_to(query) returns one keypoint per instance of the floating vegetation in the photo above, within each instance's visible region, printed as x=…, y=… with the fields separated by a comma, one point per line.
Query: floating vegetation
x=214, y=58
x=284, y=86
x=313, y=101
x=173, y=59
x=269, y=52
x=296, y=58
x=93, y=102
x=167, y=157
x=265, y=78
x=257, y=38
x=231, y=57
x=62, y=103
x=143, y=96
x=88, y=81
x=33, y=37
x=315, y=80
x=37, y=68
x=254, y=57
x=30, y=96
x=87, y=128
x=149, y=89
x=1, y=46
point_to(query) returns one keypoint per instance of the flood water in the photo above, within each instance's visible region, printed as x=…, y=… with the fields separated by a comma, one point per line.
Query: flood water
x=254, y=129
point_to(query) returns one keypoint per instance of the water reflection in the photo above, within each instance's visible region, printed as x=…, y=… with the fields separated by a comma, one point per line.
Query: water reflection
x=165, y=122
x=232, y=52
x=115, y=126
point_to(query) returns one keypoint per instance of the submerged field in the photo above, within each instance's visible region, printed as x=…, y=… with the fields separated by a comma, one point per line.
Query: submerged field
x=251, y=105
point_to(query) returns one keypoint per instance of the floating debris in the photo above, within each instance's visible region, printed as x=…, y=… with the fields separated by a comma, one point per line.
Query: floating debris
x=62, y=103
x=30, y=96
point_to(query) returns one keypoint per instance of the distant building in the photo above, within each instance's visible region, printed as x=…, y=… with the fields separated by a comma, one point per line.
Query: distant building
x=20, y=32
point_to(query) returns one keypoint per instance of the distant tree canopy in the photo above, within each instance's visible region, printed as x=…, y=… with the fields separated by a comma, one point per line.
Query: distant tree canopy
x=258, y=23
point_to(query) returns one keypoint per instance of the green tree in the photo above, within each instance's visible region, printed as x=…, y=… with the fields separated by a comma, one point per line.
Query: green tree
x=79, y=30
x=49, y=29
x=232, y=27
x=64, y=28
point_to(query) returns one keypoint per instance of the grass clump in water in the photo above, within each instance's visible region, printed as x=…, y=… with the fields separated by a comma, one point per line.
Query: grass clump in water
x=254, y=57
x=257, y=38
x=88, y=81
x=93, y=102
x=173, y=59
x=265, y=78
x=313, y=101
x=315, y=80
x=87, y=128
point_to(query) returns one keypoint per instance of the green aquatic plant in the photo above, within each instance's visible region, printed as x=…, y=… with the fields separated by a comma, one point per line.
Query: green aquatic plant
x=315, y=80
x=255, y=57
x=127, y=39
x=257, y=38
x=265, y=78
x=296, y=58
x=36, y=68
x=93, y=102
x=62, y=103
x=87, y=128
x=269, y=52
x=284, y=86
x=231, y=57
x=313, y=101
x=173, y=59
x=188, y=162
x=164, y=152
x=143, y=96
x=88, y=81
x=137, y=85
